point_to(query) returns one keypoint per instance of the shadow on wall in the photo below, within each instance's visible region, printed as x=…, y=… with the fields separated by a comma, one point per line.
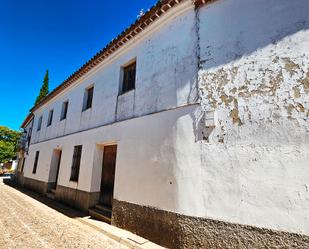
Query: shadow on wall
x=230, y=30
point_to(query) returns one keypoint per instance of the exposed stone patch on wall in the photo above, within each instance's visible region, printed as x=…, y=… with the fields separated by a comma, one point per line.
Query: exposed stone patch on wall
x=305, y=82
x=254, y=91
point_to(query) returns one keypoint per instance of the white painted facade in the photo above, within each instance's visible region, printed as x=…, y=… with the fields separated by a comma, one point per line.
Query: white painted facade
x=165, y=79
x=26, y=135
x=251, y=168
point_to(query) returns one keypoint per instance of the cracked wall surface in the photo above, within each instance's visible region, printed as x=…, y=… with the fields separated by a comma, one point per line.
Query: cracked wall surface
x=254, y=77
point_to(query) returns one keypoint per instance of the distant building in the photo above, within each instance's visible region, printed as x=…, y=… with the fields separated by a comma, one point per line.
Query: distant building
x=191, y=128
x=24, y=144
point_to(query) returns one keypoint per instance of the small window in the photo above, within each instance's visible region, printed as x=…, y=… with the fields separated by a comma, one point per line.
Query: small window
x=50, y=117
x=35, y=162
x=64, y=111
x=76, y=163
x=129, y=75
x=88, y=96
x=29, y=136
x=39, y=124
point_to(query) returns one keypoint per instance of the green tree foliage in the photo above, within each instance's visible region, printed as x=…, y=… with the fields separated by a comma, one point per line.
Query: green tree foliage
x=8, y=143
x=44, y=89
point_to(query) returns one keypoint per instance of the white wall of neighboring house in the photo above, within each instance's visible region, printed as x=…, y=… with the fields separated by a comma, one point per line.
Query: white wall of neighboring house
x=14, y=165
x=251, y=168
x=255, y=79
x=27, y=131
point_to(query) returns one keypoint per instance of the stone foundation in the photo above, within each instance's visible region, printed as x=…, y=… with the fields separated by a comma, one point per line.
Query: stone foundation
x=20, y=178
x=179, y=231
x=36, y=185
x=77, y=198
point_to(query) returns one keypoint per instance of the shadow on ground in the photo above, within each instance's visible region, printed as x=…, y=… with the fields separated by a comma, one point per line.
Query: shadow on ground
x=60, y=207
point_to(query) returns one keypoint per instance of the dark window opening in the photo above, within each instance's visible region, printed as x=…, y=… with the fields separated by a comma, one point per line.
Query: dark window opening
x=29, y=136
x=50, y=117
x=76, y=163
x=23, y=165
x=129, y=75
x=64, y=112
x=88, y=98
x=35, y=162
x=39, y=123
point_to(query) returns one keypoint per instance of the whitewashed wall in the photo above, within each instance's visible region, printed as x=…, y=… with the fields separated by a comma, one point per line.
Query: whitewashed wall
x=166, y=78
x=252, y=168
x=28, y=130
x=255, y=78
x=152, y=161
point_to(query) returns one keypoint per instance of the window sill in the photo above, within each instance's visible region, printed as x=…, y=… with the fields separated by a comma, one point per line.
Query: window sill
x=126, y=92
x=84, y=110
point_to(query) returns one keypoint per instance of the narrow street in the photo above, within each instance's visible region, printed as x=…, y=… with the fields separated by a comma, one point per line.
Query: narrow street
x=27, y=223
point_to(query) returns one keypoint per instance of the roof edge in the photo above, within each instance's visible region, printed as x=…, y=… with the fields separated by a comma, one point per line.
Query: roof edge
x=159, y=9
x=27, y=120
x=154, y=13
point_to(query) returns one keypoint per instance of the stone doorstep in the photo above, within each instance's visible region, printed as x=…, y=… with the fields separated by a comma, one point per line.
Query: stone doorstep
x=124, y=237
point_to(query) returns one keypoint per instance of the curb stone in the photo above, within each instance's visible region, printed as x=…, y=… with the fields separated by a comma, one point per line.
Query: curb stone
x=121, y=236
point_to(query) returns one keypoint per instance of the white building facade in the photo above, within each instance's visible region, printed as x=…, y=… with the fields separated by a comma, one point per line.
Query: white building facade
x=200, y=111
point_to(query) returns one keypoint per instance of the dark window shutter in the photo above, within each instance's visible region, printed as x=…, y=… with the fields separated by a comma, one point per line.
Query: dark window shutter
x=64, y=110
x=129, y=77
x=36, y=162
x=39, y=123
x=76, y=163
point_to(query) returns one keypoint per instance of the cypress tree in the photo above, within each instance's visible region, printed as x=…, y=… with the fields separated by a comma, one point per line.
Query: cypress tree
x=44, y=89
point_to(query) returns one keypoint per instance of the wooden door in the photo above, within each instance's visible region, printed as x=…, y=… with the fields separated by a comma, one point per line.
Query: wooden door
x=108, y=175
x=58, y=167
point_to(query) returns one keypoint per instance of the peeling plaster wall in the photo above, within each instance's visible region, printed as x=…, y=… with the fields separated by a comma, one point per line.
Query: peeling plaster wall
x=254, y=79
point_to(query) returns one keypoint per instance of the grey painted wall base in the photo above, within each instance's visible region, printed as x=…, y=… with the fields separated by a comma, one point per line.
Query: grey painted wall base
x=36, y=185
x=179, y=231
x=77, y=198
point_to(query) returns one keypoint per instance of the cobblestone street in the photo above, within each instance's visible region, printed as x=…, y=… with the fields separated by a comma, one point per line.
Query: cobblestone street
x=28, y=223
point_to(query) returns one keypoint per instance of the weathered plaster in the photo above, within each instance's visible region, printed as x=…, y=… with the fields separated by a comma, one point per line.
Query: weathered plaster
x=269, y=84
x=254, y=75
x=246, y=162
x=280, y=87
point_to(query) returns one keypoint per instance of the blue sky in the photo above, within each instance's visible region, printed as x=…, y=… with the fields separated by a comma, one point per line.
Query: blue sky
x=58, y=35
